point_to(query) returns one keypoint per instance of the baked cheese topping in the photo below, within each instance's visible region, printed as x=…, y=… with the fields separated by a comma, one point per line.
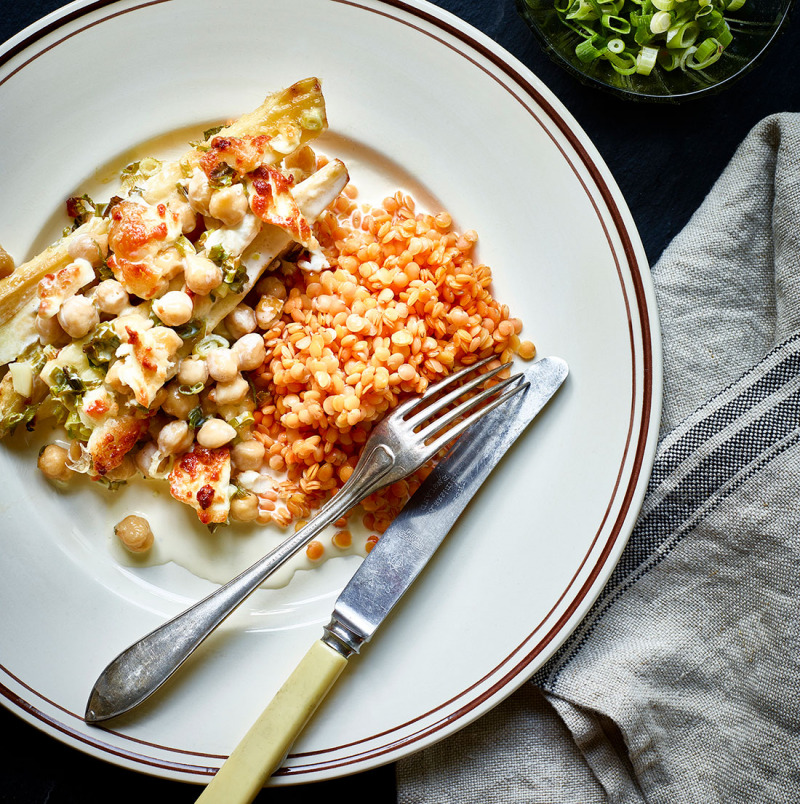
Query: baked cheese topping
x=56, y=288
x=200, y=478
x=131, y=341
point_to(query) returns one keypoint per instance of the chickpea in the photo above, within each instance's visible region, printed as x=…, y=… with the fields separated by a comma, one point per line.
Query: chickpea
x=175, y=437
x=223, y=364
x=250, y=351
x=244, y=509
x=110, y=297
x=78, y=316
x=174, y=308
x=241, y=321
x=144, y=458
x=125, y=471
x=229, y=393
x=92, y=248
x=229, y=204
x=53, y=463
x=154, y=425
x=201, y=275
x=270, y=285
x=215, y=433
x=268, y=311
x=192, y=371
x=185, y=215
x=158, y=399
x=207, y=401
x=50, y=331
x=177, y=404
x=6, y=263
x=135, y=533
x=199, y=192
x=248, y=455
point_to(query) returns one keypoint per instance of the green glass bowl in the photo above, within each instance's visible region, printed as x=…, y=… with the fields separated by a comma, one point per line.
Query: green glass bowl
x=754, y=27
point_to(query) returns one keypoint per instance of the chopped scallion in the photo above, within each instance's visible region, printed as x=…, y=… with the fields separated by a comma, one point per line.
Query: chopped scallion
x=616, y=24
x=660, y=22
x=646, y=60
x=638, y=36
x=210, y=342
x=191, y=390
x=615, y=46
x=682, y=36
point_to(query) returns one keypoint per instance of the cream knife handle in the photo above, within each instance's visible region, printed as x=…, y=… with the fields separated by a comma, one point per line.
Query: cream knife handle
x=264, y=747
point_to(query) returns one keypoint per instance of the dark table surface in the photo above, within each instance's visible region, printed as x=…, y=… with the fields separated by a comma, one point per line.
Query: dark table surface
x=665, y=160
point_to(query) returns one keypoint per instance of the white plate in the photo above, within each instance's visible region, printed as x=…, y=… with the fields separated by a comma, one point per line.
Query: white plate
x=439, y=109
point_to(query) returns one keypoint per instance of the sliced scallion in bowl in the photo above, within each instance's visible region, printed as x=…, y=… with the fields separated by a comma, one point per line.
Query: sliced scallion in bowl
x=636, y=36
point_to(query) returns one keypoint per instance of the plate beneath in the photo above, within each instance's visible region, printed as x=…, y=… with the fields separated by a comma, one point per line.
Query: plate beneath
x=417, y=100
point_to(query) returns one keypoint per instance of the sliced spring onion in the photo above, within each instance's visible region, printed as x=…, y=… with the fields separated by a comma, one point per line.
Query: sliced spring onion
x=616, y=24
x=615, y=46
x=196, y=417
x=660, y=22
x=210, y=342
x=707, y=17
x=687, y=54
x=707, y=50
x=646, y=60
x=582, y=10
x=639, y=36
x=683, y=36
x=643, y=35
x=705, y=55
x=586, y=50
x=723, y=35
x=668, y=60
x=624, y=63
x=191, y=390
x=244, y=419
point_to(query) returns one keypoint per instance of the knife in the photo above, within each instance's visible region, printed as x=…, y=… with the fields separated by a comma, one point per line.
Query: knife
x=379, y=583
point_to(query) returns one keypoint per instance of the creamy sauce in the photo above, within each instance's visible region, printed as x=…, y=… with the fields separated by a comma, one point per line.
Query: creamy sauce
x=179, y=537
x=223, y=554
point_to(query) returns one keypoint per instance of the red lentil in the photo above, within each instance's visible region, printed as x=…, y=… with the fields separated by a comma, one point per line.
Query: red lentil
x=402, y=304
x=315, y=550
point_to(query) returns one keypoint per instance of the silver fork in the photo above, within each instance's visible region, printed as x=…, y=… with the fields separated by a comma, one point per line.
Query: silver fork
x=399, y=445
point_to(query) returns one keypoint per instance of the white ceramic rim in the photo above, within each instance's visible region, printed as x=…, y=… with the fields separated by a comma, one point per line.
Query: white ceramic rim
x=420, y=730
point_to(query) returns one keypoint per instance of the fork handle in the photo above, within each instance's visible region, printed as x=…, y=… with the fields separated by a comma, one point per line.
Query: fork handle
x=143, y=667
x=264, y=747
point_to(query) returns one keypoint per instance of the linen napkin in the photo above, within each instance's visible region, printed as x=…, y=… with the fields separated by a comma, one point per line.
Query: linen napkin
x=682, y=684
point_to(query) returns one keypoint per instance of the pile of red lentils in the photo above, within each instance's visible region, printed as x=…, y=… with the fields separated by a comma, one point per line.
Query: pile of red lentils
x=402, y=305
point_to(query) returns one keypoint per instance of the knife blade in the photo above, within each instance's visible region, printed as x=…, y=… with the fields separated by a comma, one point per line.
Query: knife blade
x=384, y=576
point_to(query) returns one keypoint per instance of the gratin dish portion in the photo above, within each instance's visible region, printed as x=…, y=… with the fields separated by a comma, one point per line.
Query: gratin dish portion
x=235, y=322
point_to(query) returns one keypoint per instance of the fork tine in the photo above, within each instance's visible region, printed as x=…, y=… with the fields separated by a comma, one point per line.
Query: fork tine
x=440, y=404
x=443, y=421
x=407, y=406
x=444, y=439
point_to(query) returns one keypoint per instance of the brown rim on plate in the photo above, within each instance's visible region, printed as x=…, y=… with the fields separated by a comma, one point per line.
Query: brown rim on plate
x=623, y=495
